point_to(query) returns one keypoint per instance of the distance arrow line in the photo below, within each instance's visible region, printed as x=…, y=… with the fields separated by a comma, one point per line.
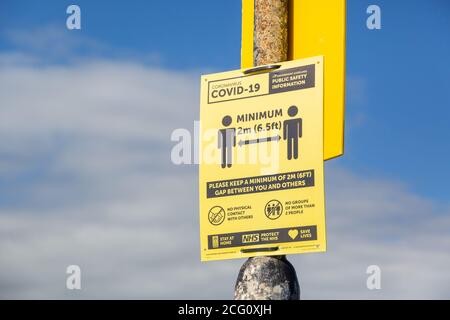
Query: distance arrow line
x=259, y=140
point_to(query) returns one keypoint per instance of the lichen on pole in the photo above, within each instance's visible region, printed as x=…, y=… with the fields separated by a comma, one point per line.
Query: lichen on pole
x=267, y=278
x=271, y=277
x=270, y=36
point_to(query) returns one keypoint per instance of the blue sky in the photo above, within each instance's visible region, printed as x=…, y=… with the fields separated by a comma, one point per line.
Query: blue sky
x=397, y=125
x=85, y=171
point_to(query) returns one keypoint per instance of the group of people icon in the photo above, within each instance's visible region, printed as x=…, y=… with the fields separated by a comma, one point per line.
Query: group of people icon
x=273, y=209
x=292, y=131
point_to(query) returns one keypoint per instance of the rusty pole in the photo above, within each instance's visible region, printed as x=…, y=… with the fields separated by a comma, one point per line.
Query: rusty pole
x=268, y=277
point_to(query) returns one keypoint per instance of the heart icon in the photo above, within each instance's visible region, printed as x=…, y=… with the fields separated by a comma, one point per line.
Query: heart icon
x=293, y=233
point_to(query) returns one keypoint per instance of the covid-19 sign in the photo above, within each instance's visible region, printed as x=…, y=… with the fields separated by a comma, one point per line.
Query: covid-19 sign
x=261, y=162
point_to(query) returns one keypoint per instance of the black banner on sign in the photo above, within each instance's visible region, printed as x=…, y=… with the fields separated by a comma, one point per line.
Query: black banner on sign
x=292, y=79
x=250, y=238
x=274, y=182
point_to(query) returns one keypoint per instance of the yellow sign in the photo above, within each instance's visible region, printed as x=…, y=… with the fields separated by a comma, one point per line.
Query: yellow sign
x=261, y=162
x=316, y=27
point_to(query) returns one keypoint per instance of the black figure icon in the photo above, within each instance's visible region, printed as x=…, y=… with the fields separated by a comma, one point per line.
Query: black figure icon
x=226, y=142
x=273, y=209
x=292, y=131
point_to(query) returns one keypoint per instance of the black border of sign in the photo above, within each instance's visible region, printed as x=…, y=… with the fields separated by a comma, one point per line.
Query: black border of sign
x=252, y=75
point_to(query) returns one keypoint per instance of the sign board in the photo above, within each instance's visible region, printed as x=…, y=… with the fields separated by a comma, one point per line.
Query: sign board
x=261, y=162
x=316, y=27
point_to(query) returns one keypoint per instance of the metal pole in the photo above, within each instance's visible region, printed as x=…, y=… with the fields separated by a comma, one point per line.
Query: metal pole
x=270, y=36
x=271, y=277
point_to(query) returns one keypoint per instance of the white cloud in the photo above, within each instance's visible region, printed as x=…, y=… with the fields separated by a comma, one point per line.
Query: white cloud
x=61, y=41
x=50, y=43
x=85, y=150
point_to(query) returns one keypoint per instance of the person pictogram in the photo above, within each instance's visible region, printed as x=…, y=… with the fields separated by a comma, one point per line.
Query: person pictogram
x=226, y=142
x=273, y=209
x=292, y=131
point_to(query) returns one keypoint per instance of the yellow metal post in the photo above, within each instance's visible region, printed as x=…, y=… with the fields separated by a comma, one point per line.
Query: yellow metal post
x=316, y=27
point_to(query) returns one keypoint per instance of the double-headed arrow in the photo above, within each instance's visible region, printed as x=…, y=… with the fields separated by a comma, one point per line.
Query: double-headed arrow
x=259, y=140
